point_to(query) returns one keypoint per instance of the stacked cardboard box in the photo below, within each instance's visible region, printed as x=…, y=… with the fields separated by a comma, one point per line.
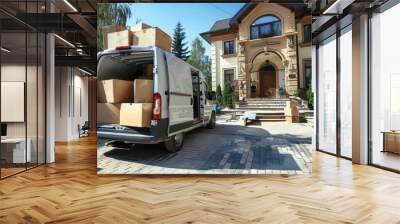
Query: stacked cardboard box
x=141, y=35
x=115, y=99
x=115, y=91
x=110, y=29
x=136, y=114
x=148, y=73
x=120, y=38
x=143, y=91
x=108, y=113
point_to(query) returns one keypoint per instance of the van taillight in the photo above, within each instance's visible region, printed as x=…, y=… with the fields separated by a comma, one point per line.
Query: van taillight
x=156, y=106
x=123, y=47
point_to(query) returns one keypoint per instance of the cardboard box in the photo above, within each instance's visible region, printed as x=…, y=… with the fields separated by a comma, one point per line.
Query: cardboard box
x=136, y=114
x=149, y=70
x=143, y=91
x=115, y=91
x=110, y=29
x=151, y=36
x=108, y=113
x=120, y=38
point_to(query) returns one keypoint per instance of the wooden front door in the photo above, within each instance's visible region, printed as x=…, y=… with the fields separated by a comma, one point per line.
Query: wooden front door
x=268, y=83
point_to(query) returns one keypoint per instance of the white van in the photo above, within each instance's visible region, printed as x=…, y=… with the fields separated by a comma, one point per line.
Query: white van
x=180, y=101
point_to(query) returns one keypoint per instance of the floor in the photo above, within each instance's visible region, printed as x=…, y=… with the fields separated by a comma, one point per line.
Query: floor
x=230, y=148
x=9, y=170
x=5, y=172
x=70, y=191
x=387, y=159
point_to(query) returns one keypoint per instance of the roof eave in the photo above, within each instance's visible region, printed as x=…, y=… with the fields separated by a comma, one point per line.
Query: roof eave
x=207, y=35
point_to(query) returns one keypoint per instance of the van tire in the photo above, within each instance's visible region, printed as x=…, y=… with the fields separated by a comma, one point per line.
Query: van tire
x=213, y=120
x=175, y=143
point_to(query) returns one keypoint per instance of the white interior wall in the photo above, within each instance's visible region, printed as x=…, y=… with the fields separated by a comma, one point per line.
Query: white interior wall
x=69, y=112
x=61, y=103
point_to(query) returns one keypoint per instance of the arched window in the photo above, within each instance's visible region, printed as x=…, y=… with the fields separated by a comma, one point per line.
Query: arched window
x=265, y=26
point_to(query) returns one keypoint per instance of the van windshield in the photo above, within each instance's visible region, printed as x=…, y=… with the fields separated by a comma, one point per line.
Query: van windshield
x=124, y=65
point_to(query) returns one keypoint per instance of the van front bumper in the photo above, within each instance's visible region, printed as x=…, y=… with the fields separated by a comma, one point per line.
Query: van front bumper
x=129, y=137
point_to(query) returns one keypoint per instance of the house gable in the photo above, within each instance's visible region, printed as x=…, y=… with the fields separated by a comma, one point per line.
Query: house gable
x=284, y=14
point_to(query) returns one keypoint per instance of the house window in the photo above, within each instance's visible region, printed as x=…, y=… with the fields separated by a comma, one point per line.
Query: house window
x=229, y=75
x=307, y=33
x=266, y=26
x=229, y=47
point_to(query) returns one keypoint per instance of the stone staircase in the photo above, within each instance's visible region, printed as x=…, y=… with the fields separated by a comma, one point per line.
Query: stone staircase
x=266, y=109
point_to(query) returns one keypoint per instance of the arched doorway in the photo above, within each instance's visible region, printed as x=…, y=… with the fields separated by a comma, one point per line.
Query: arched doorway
x=267, y=75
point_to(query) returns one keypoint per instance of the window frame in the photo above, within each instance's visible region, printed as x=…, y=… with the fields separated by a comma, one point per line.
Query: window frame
x=233, y=74
x=304, y=33
x=233, y=47
x=274, y=32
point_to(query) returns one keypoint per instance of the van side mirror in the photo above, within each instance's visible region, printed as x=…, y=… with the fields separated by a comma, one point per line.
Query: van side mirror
x=211, y=95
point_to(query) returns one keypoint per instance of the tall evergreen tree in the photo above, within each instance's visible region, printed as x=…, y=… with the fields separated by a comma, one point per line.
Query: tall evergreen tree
x=178, y=45
x=109, y=14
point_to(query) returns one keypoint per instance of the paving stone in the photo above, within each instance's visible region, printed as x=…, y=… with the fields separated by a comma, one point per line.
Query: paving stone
x=228, y=149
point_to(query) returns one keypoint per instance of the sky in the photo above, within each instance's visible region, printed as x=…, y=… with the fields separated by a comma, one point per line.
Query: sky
x=196, y=18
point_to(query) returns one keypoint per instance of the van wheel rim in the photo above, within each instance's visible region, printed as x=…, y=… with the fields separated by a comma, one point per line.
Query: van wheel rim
x=178, y=140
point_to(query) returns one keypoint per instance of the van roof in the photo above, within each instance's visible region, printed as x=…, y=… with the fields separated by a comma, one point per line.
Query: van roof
x=132, y=48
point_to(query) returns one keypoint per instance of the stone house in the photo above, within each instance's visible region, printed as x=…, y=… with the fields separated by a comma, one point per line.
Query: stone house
x=264, y=50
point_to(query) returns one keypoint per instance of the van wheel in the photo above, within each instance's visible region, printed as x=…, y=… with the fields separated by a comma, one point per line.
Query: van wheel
x=212, y=122
x=117, y=144
x=175, y=143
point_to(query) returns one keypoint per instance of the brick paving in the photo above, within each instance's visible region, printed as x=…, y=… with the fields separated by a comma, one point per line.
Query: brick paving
x=230, y=148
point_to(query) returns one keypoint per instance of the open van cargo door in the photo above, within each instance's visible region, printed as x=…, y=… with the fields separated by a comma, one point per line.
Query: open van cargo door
x=180, y=94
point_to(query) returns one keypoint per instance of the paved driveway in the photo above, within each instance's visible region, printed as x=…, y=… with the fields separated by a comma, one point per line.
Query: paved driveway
x=230, y=148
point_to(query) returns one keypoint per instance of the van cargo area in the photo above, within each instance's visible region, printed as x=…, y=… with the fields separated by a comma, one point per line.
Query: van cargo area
x=125, y=90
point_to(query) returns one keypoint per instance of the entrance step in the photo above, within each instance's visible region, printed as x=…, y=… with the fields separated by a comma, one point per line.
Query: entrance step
x=266, y=109
x=262, y=108
x=271, y=119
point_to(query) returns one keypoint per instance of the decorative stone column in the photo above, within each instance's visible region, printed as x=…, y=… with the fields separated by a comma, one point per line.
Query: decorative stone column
x=291, y=75
x=243, y=84
x=291, y=112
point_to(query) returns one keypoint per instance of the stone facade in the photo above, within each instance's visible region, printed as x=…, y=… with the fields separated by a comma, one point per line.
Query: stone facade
x=283, y=52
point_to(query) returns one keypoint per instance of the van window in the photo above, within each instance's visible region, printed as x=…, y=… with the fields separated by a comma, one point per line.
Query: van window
x=125, y=66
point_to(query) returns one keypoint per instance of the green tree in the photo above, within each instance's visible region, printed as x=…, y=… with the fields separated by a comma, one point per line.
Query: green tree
x=227, y=96
x=219, y=95
x=110, y=14
x=199, y=60
x=178, y=42
x=209, y=83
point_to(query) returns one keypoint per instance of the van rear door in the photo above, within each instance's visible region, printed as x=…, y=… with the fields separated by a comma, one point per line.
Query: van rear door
x=180, y=94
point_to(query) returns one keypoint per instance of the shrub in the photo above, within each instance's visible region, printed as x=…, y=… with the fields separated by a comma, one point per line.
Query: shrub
x=227, y=95
x=235, y=97
x=219, y=95
x=310, y=97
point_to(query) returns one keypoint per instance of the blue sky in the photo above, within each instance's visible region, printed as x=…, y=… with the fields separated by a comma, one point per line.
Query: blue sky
x=195, y=17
